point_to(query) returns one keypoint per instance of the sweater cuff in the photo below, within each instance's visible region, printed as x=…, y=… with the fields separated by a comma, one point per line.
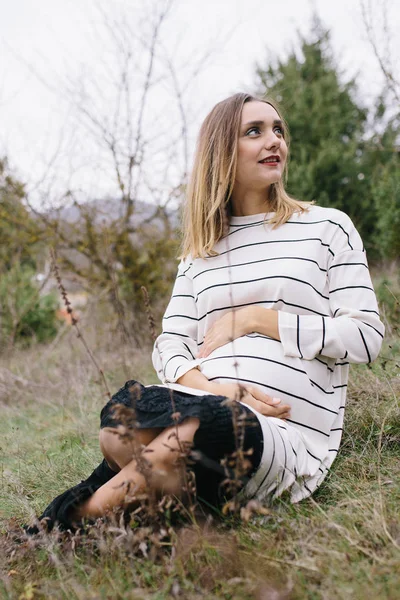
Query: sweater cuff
x=306, y=336
x=288, y=325
x=174, y=372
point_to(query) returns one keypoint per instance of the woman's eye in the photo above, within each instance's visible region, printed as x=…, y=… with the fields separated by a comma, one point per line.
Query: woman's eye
x=255, y=129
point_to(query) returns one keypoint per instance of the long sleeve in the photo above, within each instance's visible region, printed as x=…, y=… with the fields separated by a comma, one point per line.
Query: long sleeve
x=175, y=348
x=353, y=331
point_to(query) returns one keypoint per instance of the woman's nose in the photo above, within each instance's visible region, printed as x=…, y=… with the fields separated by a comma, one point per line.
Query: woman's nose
x=272, y=141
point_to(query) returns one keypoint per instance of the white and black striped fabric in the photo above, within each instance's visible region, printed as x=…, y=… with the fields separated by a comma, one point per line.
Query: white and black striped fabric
x=313, y=271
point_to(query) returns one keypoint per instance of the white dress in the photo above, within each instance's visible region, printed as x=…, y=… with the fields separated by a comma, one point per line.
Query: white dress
x=313, y=271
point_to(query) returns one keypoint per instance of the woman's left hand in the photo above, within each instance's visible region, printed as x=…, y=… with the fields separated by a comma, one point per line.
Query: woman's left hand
x=231, y=326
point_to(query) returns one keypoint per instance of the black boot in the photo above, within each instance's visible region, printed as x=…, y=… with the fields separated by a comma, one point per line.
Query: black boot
x=59, y=509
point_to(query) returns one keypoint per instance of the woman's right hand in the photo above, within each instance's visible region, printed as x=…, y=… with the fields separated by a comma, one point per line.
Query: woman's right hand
x=253, y=397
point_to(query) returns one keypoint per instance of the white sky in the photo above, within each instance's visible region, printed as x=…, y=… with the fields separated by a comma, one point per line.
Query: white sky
x=55, y=38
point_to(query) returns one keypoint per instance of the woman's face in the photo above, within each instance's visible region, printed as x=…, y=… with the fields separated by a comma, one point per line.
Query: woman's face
x=261, y=136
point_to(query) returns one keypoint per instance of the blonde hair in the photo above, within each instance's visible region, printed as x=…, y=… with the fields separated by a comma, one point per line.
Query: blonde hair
x=207, y=208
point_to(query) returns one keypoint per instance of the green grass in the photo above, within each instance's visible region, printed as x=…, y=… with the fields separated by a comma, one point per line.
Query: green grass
x=342, y=543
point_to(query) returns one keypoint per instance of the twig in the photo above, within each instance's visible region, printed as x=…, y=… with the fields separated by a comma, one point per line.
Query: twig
x=74, y=322
x=149, y=313
x=238, y=424
x=391, y=81
x=142, y=103
x=184, y=450
x=118, y=305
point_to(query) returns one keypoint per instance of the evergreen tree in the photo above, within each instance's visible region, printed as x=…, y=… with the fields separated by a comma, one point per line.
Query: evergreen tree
x=383, y=157
x=25, y=314
x=327, y=129
x=19, y=233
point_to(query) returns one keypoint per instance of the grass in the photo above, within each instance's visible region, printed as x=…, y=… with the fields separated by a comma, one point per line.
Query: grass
x=342, y=543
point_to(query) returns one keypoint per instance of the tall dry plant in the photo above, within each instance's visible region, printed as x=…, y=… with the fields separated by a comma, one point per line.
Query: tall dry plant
x=74, y=322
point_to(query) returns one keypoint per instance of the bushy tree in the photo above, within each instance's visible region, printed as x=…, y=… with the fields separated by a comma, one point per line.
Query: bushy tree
x=25, y=313
x=19, y=234
x=119, y=260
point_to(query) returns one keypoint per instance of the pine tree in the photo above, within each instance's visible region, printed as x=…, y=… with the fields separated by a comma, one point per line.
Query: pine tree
x=327, y=129
x=383, y=156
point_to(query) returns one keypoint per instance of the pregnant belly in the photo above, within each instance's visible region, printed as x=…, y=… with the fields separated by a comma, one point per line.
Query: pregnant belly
x=256, y=360
x=259, y=361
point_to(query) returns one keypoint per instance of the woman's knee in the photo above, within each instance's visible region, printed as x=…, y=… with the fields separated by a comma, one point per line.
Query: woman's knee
x=108, y=439
x=172, y=444
x=119, y=445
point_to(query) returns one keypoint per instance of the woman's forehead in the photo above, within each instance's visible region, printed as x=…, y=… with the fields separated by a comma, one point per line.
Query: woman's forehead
x=258, y=111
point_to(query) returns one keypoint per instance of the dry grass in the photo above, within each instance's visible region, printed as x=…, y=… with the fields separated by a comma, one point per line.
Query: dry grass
x=343, y=543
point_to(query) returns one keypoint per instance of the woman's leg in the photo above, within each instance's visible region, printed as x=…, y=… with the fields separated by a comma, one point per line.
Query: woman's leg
x=120, y=445
x=163, y=455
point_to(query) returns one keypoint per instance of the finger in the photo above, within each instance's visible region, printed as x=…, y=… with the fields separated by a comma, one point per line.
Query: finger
x=284, y=417
x=269, y=400
x=274, y=401
x=277, y=411
x=266, y=409
x=210, y=345
x=285, y=412
x=206, y=350
x=262, y=397
x=280, y=410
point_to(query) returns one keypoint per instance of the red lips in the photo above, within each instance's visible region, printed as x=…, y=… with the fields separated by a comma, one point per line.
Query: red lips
x=269, y=159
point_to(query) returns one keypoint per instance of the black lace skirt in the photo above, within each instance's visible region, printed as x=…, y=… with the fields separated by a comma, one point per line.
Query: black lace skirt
x=137, y=406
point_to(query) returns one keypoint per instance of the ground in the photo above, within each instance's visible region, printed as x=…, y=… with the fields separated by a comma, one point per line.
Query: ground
x=342, y=543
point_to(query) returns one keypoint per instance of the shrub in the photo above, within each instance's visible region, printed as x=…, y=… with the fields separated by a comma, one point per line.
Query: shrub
x=25, y=314
x=386, y=195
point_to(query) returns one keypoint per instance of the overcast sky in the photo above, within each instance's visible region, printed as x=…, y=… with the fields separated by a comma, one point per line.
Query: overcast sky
x=44, y=42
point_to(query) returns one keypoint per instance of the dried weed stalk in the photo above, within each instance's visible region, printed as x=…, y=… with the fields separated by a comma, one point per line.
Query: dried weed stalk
x=187, y=476
x=126, y=417
x=238, y=463
x=149, y=313
x=74, y=322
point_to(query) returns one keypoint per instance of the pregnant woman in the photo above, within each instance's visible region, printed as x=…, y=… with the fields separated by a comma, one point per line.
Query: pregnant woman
x=272, y=302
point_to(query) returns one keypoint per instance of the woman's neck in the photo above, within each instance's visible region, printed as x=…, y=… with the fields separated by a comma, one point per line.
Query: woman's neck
x=249, y=202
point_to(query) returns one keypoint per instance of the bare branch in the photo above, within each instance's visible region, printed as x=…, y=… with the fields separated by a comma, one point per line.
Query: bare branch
x=135, y=151
x=383, y=58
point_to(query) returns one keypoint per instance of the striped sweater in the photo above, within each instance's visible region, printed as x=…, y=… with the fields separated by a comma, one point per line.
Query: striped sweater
x=313, y=271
